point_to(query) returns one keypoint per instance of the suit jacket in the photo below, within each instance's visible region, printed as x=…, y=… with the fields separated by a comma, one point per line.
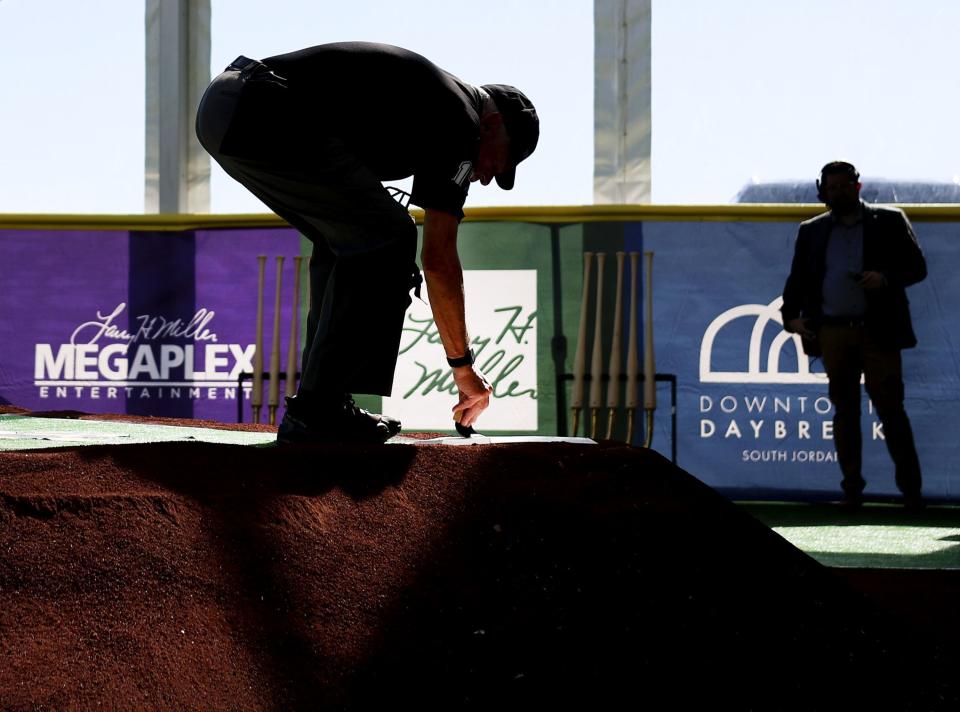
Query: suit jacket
x=889, y=247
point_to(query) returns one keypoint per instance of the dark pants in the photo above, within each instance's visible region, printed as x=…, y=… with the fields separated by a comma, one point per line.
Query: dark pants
x=364, y=243
x=848, y=352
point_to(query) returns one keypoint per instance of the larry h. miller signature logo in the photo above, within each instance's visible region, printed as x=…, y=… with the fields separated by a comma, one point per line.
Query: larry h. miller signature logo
x=497, y=361
x=102, y=352
x=757, y=371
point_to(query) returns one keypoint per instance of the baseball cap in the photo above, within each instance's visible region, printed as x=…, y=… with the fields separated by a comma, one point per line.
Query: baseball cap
x=523, y=126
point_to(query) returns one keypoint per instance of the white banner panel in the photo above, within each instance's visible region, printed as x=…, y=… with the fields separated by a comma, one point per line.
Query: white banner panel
x=501, y=317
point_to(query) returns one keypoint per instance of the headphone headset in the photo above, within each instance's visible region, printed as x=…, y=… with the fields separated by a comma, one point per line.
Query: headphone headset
x=835, y=168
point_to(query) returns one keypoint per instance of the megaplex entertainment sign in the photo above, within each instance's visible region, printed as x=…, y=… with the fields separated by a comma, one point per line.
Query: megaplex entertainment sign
x=102, y=359
x=766, y=413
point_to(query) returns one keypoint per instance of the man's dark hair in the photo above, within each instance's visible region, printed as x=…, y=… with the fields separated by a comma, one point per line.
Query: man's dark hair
x=839, y=168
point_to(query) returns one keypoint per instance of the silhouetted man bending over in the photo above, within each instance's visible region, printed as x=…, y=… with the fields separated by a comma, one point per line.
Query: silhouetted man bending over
x=312, y=134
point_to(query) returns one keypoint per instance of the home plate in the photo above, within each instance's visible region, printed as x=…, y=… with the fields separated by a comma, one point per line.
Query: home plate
x=489, y=440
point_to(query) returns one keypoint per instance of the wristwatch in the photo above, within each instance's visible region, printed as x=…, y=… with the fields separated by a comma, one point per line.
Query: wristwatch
x=465, y=360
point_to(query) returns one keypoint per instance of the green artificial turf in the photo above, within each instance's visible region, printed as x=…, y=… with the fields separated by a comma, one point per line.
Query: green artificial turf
x=876, y=536
x=19, y=432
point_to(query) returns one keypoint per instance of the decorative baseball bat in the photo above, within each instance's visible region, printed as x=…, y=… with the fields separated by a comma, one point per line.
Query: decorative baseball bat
x=649, y=367
x=579, y=361
x=596, y=363
x=256, y=397
x=293, y=344
x=633, y=362
x=274, y=396
x=613, y=387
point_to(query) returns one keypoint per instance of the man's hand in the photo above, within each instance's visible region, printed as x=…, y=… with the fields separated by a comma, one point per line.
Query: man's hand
x=872, y=280
x=475, y=392
x=799, y=326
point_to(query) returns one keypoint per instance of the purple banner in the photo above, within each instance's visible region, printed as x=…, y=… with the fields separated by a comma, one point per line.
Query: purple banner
x=131, y=322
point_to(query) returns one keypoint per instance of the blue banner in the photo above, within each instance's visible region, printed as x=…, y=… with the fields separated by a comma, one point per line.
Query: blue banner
x=753, y=412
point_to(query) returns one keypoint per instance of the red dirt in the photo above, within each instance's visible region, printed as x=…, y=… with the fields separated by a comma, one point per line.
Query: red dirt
x=201, y=576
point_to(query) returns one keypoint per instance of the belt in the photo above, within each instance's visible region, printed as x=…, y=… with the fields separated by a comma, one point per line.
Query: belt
x=853, y=322
x=253, y=69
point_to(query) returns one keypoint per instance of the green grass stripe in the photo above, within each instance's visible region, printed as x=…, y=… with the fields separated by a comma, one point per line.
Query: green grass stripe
x=19, y=432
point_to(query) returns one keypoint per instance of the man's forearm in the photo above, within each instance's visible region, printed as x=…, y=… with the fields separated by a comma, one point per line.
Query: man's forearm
x=444, y=275
x=445, y=289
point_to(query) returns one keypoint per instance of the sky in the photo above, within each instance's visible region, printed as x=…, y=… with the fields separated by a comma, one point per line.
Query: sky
x=742, y=89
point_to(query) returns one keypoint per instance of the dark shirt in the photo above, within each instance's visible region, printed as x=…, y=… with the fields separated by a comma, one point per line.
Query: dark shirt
x=842, y=293
x=399, y=113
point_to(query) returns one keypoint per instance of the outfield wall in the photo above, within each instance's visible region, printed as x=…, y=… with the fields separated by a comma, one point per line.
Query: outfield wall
x=154, y=315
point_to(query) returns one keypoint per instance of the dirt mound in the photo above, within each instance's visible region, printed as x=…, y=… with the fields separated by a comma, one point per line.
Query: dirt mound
x=199, y=576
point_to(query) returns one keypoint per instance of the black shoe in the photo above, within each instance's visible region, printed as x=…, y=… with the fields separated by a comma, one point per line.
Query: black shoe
x=339, y=421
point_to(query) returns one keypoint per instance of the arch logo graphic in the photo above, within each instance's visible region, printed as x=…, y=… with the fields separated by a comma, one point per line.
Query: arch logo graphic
x=759, y=370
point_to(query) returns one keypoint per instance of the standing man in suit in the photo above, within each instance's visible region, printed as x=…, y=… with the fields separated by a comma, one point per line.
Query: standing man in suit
x=845, y=297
